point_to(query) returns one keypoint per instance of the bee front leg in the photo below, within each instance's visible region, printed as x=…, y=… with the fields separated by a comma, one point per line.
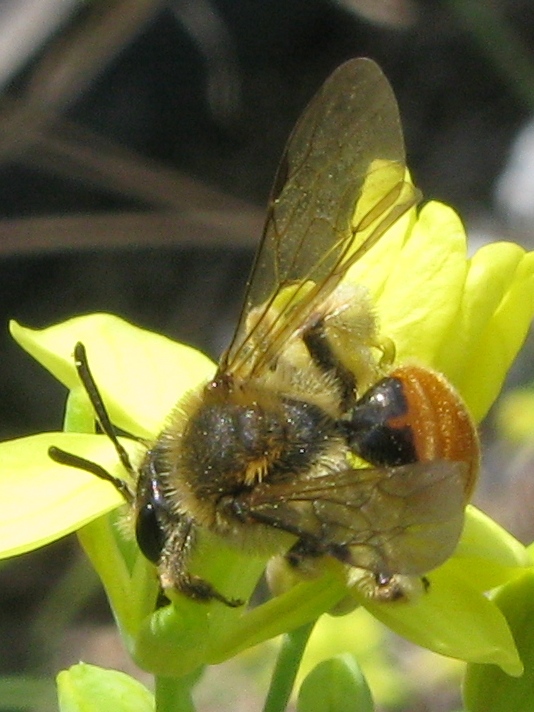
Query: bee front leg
x=173, y=563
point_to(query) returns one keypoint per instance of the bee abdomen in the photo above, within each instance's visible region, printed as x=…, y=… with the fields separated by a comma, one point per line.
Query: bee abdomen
x=379, y=430
x=413, y=415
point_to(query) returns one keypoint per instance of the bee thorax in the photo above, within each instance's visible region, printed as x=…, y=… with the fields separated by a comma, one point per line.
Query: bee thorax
x=228, y=448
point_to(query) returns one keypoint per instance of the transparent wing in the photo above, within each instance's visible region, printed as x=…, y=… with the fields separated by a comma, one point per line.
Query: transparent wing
x=400, y=520
x=340, y=185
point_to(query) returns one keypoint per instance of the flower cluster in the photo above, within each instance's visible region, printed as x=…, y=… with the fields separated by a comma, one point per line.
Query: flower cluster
x=465, y=317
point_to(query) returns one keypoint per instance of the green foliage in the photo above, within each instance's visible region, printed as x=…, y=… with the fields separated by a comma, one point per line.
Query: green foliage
x=486, y=687
x=87, y=688
x=335, y=685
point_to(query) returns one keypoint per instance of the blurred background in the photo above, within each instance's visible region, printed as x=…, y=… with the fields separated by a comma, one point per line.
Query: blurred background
x=138, y=141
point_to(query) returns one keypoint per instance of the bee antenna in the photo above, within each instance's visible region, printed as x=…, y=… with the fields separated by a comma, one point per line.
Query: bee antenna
x=67, y=458
x=88, y=382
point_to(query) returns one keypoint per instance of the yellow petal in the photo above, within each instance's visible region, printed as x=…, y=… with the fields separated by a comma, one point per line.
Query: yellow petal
x=140, y=374
x=373, y=269
x=500, y=310
x=423, y=290
x=453, y=619
x=44, y=500
x=483, y=538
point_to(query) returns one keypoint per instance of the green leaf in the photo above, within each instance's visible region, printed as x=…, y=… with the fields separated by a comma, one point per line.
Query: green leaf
x=87, y=688
x=486, y=687
x=335, y=685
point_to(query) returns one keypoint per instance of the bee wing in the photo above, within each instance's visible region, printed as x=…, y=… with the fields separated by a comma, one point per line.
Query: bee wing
x=340, y=185
x=399, y=520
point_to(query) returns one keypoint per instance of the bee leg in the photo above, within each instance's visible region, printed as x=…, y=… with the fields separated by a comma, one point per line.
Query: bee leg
x=324, y=358
x=389, y=588
x=301, y=552
x=172, y=567
x=302, y=558
x=161, y=600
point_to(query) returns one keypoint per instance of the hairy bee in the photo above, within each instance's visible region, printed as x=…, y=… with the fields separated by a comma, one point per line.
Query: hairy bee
x=309, y=439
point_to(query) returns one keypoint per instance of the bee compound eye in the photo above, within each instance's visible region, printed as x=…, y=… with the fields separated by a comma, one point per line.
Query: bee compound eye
x=149, y=533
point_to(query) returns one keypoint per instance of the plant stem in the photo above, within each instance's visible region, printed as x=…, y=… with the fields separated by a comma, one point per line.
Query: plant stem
x=173, y=694
x=286, y=668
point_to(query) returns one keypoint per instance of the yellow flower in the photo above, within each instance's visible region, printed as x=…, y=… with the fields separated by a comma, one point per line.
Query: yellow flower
x=464, y=317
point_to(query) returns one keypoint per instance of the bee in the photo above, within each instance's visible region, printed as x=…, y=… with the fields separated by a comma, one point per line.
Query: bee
x=310, y=439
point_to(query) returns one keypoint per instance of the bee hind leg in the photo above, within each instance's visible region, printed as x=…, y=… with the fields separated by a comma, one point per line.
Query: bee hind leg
x=323, y=356
x=301, y=552
x=388, y=588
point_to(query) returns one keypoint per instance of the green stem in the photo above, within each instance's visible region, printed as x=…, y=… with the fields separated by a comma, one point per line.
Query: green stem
x=173, y=694
x=289, y=611
x=286, y=668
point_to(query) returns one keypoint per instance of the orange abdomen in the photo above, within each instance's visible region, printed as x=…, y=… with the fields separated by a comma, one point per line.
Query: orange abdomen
x=414, y=415
x=438, y=418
